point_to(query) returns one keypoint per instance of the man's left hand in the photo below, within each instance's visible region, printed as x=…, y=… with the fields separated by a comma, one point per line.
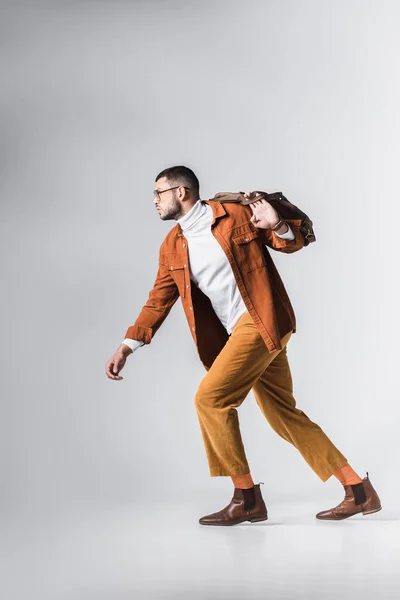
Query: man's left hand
x=264, y=214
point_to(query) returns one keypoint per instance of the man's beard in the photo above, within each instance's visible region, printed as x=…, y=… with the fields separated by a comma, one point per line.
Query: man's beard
x=172, y=212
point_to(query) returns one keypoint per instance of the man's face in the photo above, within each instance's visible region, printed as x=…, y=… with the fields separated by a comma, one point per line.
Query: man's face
x=167, y=203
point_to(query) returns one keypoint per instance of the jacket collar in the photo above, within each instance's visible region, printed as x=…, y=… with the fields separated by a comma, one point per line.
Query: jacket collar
x=217, y=209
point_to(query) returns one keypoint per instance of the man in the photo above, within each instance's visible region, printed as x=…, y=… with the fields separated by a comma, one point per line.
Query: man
x=216, y=259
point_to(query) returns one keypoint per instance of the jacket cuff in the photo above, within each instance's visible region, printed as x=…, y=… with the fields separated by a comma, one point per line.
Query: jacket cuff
x=142, y=334
x=280, y=242
x=288, y=235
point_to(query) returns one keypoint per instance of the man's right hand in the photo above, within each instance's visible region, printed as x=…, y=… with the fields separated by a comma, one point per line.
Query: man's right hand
x=117, y=362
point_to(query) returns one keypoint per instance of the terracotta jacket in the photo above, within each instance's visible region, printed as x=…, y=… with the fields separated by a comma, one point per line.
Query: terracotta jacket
x=255, y=273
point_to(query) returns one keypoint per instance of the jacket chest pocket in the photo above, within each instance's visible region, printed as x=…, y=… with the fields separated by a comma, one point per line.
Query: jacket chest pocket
x=248, y=248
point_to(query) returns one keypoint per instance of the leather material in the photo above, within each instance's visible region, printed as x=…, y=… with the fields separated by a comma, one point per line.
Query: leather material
x=234, y=513
x=285, y=208
x=349, y=507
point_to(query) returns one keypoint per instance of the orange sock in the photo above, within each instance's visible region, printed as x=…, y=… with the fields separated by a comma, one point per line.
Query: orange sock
x=347, y=476
x=242, y=481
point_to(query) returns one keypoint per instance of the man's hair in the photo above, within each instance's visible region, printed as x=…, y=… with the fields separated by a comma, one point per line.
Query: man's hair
x=180, y=175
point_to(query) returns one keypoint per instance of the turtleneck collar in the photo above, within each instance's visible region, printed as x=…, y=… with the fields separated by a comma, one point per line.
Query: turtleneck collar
x=189, y=220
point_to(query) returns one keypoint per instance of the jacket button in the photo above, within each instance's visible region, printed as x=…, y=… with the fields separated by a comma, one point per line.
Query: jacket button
x=171, y=268
x=246, y=239
x=184, y=265
x=193, y=328
x=183, y=245
x=187, y=285
x=191, y=307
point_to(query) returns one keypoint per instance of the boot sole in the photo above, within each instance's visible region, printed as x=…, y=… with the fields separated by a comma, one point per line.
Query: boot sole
x=227, y=524
x=368, y=512
x=256, y=520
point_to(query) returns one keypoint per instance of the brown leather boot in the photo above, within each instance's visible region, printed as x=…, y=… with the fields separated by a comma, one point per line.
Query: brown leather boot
x=358, y=498
x=239, y=509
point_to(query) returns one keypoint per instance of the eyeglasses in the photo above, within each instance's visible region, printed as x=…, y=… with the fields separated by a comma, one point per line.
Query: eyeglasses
x=156, y=193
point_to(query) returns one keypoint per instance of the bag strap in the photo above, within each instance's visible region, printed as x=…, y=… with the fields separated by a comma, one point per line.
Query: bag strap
x=240, y=197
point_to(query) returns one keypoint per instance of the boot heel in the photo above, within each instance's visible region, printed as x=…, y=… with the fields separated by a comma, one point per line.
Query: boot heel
x=255, y=519
x=369, y=512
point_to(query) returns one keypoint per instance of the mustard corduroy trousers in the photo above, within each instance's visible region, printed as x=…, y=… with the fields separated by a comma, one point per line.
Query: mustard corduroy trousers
x=243, y=364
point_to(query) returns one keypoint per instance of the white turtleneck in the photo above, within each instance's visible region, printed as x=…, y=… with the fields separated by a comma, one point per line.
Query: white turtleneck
x=209, y=267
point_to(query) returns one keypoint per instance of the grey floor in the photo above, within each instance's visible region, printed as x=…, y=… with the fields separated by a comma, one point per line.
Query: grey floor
x=162, y=552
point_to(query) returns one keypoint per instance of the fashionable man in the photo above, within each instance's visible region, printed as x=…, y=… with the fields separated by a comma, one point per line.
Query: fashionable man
x=216, y=259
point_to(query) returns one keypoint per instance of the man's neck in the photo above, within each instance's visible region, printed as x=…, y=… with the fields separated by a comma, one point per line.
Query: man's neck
x=187, y=208
x=194, y=217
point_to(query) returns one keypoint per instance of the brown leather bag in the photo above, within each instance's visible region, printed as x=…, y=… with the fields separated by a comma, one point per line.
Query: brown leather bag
x=285, y=209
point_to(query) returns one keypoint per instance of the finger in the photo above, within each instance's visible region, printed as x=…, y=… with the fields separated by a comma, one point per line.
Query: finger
x=255, y=203
x=115, y=368
x=110, y=375
x=108, y=368
x=115, y=377
x=112, y=370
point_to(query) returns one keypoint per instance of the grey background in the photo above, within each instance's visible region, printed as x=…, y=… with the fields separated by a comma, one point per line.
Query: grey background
x=97, y=98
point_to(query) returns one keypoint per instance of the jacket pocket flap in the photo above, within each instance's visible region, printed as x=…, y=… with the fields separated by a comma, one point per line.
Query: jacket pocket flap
x=244, y=238
x=174, y=266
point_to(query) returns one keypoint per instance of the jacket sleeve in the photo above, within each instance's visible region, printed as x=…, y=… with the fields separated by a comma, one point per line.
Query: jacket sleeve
x=269, y=238
x=159, y=303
